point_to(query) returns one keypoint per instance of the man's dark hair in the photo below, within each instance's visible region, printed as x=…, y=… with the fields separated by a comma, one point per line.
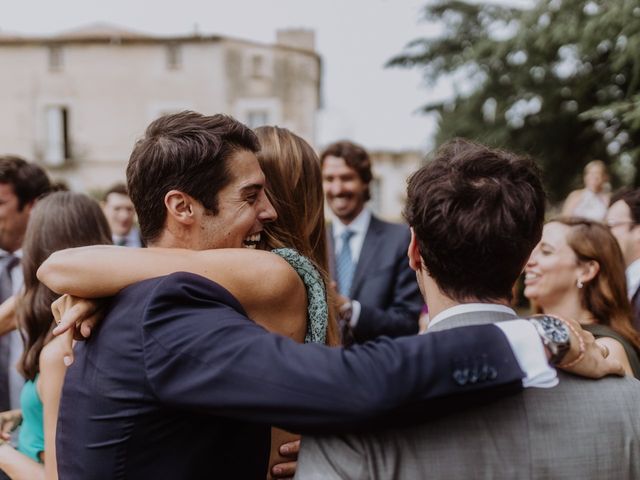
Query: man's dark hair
x=186, y=151
x=119, y=188
x=354, y=156
x=477, y=213
x=632, y=198
x=28, y=180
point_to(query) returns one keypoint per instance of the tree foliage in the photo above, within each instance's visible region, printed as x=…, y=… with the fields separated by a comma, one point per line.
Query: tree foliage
x=559, y=81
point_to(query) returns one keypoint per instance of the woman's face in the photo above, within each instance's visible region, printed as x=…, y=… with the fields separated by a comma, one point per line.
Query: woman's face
x=594, y=178
x=552, y=270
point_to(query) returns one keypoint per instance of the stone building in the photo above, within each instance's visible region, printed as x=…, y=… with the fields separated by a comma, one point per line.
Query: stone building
x=76, y=102
x=391, y=169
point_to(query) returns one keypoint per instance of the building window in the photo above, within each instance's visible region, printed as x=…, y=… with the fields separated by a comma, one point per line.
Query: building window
x=55, y=58
x=174, y=56
x=375, y=191
x=257, y=118
x=57, y=146
x=257, y=66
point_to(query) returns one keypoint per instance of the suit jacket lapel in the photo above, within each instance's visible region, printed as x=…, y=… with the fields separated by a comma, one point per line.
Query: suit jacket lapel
x=331, y=252
x=370, y=250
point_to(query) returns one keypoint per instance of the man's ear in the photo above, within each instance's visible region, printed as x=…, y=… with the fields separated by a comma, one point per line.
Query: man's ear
x=180, y=207
x=27, y=207
x=415, y=260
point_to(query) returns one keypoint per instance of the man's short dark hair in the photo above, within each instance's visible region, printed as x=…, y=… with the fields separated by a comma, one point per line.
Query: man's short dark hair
x=477, y=213
x=186, y=151
x=119, y=188
x=354, y=156
x=632, y=198
x=28, y=180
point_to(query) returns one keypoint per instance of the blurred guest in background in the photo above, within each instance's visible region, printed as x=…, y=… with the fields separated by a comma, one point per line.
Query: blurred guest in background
x=378, y=291
x=118, y=208
x=21, y=184
x=622, y=219
x=591, y=201
x=61, y=220
x=577, y=272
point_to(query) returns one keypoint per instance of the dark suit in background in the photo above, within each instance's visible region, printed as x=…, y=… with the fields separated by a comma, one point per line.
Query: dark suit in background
x=580, y=429
x=178, y=383
x=383, y=283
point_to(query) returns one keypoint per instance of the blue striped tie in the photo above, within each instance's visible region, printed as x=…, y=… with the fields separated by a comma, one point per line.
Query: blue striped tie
x=344, y=264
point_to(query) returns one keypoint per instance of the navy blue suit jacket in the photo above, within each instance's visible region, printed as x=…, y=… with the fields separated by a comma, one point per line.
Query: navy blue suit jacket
x=178, y=383
x=384, y=284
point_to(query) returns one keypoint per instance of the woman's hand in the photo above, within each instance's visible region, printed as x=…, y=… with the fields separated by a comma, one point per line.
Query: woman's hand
x=75, y=317
x=288, y=469
x=9, y=421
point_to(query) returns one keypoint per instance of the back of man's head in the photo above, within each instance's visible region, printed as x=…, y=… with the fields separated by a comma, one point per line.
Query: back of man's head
x=632, y=198
x=477, y=213
x=188, y=152
x=28, y=180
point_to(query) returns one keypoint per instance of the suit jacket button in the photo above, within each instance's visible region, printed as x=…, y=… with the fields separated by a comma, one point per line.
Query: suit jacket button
x=461, y=376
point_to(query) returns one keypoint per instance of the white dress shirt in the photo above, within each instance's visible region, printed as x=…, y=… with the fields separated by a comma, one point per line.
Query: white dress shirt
x=522, y=337
x=633, y=278
x=132, y=239
x=359, y=227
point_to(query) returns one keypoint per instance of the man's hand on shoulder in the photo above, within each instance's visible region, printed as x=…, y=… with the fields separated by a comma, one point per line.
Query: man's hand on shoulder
x=586, y=357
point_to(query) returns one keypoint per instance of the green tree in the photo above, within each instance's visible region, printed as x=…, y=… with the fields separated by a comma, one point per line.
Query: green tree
x=559, y=81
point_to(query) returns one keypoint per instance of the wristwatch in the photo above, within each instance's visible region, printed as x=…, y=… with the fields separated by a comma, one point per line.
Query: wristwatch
x=555, y=335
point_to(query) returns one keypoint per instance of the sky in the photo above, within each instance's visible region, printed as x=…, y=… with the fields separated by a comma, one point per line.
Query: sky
x=362, y=100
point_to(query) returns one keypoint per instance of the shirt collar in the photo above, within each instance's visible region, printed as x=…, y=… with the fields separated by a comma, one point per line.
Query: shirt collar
x=633, y=277
x=468, y=308
x=359, y=225
x=17, y=253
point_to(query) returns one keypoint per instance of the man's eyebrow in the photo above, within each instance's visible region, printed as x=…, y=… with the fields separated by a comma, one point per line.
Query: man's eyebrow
x=251, y=187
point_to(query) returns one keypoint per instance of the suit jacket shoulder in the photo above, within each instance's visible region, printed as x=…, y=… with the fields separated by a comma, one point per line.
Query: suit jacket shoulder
x=579, y=429
x=385, y=285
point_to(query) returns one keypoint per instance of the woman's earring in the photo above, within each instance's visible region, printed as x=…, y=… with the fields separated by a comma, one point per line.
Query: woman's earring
x=579, y=284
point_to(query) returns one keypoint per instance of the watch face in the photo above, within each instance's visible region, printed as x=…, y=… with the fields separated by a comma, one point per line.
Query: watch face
x=555, y=329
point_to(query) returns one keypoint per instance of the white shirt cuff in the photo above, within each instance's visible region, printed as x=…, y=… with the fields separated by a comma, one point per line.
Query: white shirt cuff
x=529, y=351
x=356, y=308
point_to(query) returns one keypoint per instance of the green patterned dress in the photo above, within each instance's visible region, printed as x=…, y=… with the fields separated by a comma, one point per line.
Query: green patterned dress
x=317, y=309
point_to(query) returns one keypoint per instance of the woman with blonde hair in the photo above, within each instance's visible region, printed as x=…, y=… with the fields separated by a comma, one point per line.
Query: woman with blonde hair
x=577, y=272
x=592, y=200
x=296, y=251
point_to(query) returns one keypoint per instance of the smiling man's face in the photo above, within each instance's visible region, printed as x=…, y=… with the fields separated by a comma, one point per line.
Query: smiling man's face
x=243, y=207
x=344, y=189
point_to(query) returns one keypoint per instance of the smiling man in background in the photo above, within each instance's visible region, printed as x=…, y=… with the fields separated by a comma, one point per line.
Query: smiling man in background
x=378, y=291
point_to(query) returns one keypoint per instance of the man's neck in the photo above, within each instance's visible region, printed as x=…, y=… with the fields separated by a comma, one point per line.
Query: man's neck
x=438, y=301
x=348, y=221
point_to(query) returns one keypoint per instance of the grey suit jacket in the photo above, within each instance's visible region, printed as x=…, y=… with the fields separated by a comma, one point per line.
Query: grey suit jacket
x=383, y=283
x=580, y=429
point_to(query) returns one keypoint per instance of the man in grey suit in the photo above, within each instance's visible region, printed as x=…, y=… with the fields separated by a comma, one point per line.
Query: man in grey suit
x=377, y=290
x=475, y=215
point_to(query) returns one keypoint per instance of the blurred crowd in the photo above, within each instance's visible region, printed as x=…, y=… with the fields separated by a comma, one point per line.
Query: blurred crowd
x=243, y=320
